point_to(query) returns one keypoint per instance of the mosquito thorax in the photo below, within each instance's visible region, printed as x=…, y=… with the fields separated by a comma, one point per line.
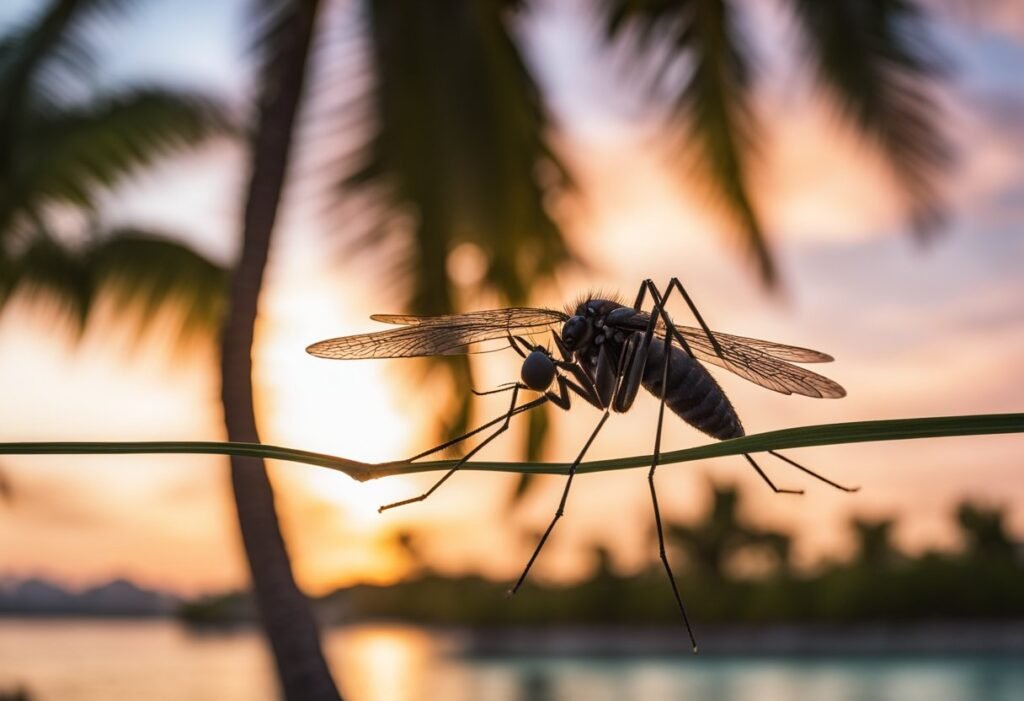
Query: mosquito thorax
x=538, y=370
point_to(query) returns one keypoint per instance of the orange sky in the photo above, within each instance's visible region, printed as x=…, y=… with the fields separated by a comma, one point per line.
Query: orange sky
x=915, y=332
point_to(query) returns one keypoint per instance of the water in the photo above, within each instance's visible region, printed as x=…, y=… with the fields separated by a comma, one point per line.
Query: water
x=104, y=660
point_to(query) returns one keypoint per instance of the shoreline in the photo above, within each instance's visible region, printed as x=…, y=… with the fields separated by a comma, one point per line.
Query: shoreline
x=925, y=638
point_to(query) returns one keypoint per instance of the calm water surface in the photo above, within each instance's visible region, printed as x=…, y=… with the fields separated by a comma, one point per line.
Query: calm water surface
x=102, y=660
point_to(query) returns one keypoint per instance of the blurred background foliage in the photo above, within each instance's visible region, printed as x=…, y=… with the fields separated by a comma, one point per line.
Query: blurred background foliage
x=66, y=140
x=731, y=570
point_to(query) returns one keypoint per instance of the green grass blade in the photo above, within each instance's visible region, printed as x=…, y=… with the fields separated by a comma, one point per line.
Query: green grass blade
x=803, y=437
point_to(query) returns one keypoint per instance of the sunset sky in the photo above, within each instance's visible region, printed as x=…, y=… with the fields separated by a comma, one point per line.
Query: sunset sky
x=916, y=331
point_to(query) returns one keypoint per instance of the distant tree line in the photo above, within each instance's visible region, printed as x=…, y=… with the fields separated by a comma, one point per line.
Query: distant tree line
x=734, y=571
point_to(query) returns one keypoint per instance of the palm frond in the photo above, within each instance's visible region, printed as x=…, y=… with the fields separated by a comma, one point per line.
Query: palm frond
x=40, y=57
x=145, y=271
x=46, y=267
x=142, y=272
x=69, y=156
x=876, y=58
x=460, y=134
x=712, y=101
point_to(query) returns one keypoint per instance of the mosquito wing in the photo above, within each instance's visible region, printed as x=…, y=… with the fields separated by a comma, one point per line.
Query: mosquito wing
x=765, y=363
x=449, y=334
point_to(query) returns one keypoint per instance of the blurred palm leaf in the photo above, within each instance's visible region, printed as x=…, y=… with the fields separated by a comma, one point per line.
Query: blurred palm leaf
x=69, y=156
x=62, y=142
x=873, y=55
x=876, y=58
x=64, y=145
x=459, y=141
x=41, y=58
x=140, y=271
x=713, y=100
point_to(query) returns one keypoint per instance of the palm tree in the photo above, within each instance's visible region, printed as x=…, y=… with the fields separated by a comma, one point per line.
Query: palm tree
x=875, y=550
x=284, y=611
x=984, y=532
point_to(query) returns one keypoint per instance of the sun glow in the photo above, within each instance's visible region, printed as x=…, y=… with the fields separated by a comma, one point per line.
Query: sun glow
x=348, y=409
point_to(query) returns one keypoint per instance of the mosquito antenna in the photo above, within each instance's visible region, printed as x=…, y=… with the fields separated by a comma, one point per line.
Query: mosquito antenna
x=504, y=387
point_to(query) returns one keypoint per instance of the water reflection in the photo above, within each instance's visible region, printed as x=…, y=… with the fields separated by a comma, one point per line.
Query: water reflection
x=94, y=660
x=384, y=663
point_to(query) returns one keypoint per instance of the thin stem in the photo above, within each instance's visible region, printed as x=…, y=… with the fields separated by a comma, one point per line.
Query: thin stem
x=805, y=436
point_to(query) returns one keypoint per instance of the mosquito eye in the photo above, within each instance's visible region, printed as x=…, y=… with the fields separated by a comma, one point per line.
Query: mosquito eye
x=538, y=371
x=575, y=332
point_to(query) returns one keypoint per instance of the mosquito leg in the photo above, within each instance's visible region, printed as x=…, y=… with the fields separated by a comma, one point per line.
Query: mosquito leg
x=507, y=417
x=654, y=496
x=812, y=473
x=659, y=310
x=635, y=353
x=454, y=441
x=561, y=504
x=640, y=295
x=675, y=284
x=771, y=484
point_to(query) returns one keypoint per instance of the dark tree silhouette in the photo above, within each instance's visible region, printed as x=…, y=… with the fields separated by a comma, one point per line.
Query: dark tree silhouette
x=874, y=543
x=284, y=611
x=984, y=531
x=712, y=543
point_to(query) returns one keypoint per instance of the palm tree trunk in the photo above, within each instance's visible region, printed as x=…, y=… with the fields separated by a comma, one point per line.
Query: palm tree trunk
x=284, y=610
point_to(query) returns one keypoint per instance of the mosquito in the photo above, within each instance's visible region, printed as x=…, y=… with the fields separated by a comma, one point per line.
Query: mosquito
x=605, y=352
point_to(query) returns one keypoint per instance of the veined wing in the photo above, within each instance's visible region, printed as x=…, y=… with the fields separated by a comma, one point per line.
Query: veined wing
x=449, y=334
x=509, y=317
x=792, y=354
x=765, y=363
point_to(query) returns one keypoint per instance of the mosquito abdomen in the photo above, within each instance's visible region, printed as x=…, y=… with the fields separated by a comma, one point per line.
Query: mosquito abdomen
x=693, y=394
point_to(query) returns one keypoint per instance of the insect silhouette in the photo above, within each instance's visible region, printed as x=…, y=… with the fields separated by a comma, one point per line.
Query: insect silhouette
x=605, y=352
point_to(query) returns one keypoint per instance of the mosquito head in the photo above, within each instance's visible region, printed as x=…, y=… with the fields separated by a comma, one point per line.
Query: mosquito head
x=577, y=332
x=538, y=370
